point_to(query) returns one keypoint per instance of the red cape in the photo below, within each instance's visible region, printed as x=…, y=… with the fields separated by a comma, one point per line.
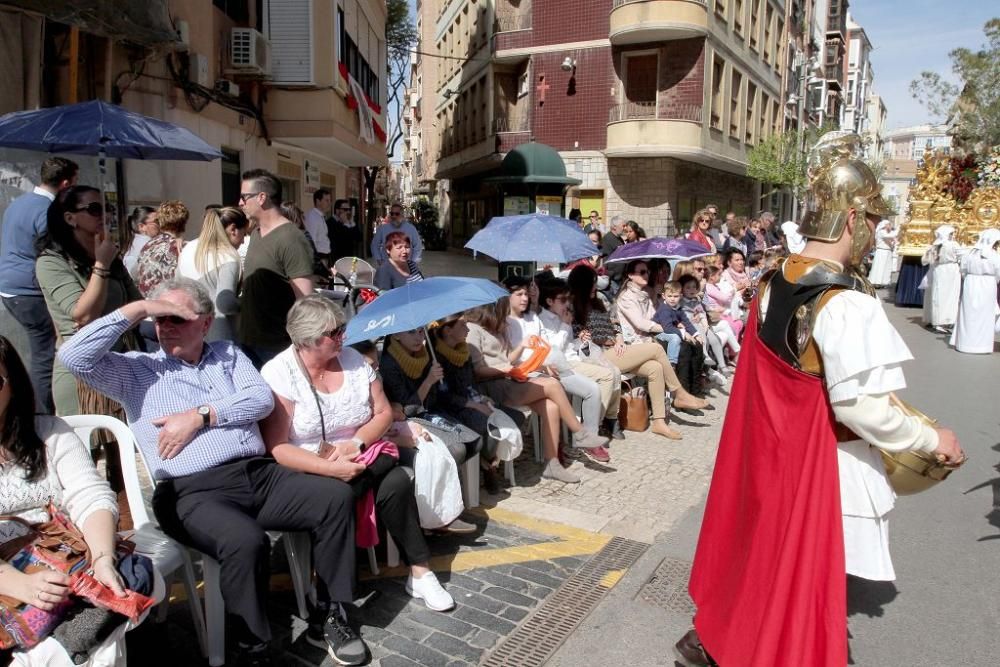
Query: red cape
x=769, y=576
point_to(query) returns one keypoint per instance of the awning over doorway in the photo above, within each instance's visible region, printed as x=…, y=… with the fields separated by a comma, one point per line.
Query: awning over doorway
x=533, y=163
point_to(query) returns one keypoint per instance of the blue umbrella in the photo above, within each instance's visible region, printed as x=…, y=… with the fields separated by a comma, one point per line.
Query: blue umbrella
x=99, y=128
x=417, y=304
x=658, y=248
x=532, y=238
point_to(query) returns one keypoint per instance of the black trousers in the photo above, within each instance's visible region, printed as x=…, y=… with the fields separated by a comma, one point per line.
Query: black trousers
x=691, y=366
x=225, y=511
x=395, y=506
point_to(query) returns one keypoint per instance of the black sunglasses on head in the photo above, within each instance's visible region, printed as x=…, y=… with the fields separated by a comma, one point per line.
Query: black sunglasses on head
x=94, y=208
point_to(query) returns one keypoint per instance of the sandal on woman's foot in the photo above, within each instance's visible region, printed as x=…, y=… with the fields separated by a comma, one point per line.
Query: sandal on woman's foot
x=660, y=427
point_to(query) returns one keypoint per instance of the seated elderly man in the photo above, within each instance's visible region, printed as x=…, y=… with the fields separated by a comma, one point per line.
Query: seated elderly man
x=194, y=408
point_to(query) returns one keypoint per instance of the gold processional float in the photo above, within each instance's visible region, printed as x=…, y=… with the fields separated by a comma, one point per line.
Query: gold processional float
x=932, y=206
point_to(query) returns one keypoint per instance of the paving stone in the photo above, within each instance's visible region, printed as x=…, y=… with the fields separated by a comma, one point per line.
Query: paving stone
x=417, y=652
x=514, y=614
x=468, y=583
x=484, y=639
x=501, y=580
x=536, y=577
x=484, y=620
x=454, y=647
x=443, y=622
x=397, y=661
x=490, y=605
x=510, y=597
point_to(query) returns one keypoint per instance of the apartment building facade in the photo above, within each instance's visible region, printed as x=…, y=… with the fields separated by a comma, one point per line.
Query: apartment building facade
x=269, y=82
x=903, y=150
x=652, y=104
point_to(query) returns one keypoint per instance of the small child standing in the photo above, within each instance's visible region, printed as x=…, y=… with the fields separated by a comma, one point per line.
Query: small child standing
x=690, y=359
x=691, y=304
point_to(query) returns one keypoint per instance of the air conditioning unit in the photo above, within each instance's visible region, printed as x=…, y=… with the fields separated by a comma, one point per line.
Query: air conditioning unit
x=227, y=87
x=249, y=52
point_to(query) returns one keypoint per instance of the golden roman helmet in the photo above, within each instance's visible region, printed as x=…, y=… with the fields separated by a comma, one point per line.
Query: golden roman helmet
x=838, y=182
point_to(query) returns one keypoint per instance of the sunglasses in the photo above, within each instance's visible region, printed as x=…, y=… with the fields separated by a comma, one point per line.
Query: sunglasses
x=94, y=208
x=335, y=334
x=643, y=272
x=175, y=320
x=244, y=196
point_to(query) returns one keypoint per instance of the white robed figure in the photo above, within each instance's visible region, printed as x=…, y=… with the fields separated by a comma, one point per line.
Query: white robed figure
x=944, y=279
x=975, y=327
x=880, y=274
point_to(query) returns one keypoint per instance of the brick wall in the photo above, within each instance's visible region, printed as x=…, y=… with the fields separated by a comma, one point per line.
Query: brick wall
x=575, y=113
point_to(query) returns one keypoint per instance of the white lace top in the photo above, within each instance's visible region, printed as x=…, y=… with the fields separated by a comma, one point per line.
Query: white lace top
x=71, y=480
x=344, y=411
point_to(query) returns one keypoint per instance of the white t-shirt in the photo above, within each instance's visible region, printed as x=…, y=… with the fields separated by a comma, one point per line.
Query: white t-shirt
x=315, y=224
x=344, y=411
x=521, y=328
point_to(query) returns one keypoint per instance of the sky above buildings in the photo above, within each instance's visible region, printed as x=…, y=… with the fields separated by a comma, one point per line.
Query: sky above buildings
x=911, y=36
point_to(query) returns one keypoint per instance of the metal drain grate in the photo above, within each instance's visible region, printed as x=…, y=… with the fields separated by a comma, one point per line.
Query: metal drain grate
x=667, y=588
x=544, y=631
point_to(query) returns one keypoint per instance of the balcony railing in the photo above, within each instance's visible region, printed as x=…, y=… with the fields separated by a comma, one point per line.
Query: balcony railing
x=618, y=3
x=509, y=22
x=511, y=124
x=650, y=111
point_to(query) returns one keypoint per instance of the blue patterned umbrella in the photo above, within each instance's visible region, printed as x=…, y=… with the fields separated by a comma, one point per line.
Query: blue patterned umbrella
x=417, y=304
x=532, y=238
x=658, y=248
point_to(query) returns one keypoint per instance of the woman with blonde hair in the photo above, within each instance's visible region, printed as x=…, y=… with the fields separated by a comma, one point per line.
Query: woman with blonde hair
x=683, y=268
x=212, y=260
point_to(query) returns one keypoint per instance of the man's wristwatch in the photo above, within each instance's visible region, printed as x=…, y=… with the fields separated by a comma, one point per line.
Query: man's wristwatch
x=360, y=443
x=206, y=415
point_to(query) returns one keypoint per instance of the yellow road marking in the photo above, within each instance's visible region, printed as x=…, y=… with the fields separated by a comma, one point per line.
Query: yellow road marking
x=570, y=542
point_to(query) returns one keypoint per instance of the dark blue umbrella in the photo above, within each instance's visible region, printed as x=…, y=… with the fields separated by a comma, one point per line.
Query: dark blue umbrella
x=99, y=128
x=417, y=304
x=658, y=248
x=532, y=238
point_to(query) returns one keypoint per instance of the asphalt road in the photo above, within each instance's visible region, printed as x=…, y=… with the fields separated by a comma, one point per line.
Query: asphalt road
x=944, y=608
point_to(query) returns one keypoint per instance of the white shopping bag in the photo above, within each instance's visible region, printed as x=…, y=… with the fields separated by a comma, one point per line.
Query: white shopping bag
x=436, y=484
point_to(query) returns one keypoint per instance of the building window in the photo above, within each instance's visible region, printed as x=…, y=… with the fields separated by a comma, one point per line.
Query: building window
x=738, y=11
x=720, y=9
x=735, y=88
x=762, y=124
x=779, y=43
x=237, y=10
x=775, y=117
x=766, y=44
x=356, y=64
x=640, y=84
x=718, y=67
x=751, y=103
x=754, y=22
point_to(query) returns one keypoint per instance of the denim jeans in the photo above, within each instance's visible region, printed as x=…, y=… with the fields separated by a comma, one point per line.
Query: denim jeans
x=32, y=314
x=672, y=344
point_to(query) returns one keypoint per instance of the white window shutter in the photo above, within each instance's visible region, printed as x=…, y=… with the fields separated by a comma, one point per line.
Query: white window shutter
x=289, y=29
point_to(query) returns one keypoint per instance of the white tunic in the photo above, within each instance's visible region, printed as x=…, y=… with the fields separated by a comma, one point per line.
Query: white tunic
x=862, y=353
x=977, y=312
x=944, y=284
x=881, y=271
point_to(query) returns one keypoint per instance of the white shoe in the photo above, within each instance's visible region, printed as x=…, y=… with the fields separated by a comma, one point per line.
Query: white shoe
x=554, y=470
x=428, y=589
x=717, y=378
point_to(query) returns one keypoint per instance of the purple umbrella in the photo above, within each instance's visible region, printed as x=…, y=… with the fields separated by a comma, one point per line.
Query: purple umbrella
x=659, y=248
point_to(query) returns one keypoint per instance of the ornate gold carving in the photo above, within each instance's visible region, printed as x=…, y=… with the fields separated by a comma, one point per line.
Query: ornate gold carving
x=931, y=206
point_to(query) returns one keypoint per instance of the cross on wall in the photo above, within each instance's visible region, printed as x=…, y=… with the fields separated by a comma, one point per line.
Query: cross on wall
x=541, y=89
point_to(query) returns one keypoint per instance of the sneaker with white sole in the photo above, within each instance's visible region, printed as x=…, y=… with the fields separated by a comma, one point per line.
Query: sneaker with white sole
x=586, y=439
x=329, y=630
x=428, y=589
x=717, y=378
x=554, y=470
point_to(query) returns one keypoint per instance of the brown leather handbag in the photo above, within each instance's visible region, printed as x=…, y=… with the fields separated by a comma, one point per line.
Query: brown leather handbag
x=633, y=413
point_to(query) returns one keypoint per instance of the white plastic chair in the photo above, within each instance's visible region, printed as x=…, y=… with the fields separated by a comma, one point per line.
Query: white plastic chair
x=169, y=557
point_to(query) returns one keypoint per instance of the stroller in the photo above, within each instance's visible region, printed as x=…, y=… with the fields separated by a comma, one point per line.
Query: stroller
x=351, y=284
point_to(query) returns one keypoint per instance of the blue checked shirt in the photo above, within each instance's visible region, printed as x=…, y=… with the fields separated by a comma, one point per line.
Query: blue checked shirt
x=156, y=385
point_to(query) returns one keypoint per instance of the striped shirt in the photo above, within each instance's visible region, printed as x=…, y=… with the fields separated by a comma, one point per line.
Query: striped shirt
x=157, y=385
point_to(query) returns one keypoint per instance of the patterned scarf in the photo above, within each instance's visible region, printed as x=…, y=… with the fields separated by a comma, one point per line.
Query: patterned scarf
x=413, y=365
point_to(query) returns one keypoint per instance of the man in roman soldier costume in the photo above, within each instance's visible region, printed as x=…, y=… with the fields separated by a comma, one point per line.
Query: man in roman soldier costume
x=799, y=493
